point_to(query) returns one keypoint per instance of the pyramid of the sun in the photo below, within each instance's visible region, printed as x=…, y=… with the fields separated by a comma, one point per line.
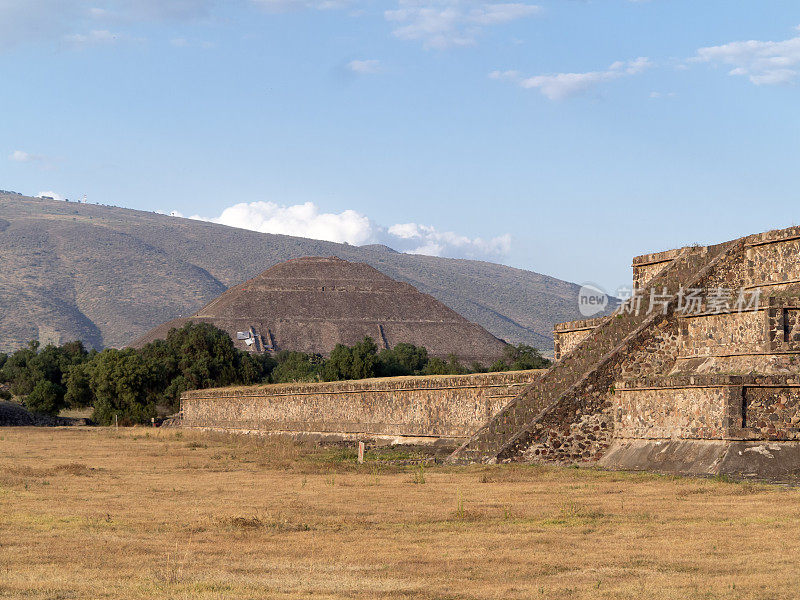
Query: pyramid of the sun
x=311, y=304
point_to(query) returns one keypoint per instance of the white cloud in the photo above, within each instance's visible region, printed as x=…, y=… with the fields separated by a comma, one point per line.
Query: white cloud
x=436, y=23
x=27, y=21
x=181, y=42
x=97, y=37
x=22, y=156
x=365, y=67
x=662, y=94
x=50, y=194
x=160, y=10
x=303, y=220
x=447, y=23
x=425, y=239
x=763, y=63
x=563, y=85
x=279, y=6
x=352, y=227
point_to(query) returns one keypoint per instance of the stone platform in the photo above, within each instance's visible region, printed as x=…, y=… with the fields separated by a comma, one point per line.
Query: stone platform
x=709, y=387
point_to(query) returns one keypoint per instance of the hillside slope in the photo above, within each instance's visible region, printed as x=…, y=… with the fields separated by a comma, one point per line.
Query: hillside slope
x=107, y=275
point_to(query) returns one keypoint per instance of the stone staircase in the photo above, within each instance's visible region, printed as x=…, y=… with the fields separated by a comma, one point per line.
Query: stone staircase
x=581, y=382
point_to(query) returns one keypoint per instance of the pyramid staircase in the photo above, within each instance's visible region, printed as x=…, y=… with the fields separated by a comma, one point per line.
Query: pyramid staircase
x=581, y=382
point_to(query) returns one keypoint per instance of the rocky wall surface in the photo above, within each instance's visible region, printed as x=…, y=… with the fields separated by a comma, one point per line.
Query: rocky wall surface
x=669, y=375
x=723, y=334
x=567, y=340
x=567, y=336
x=742, y=364
x=647, y=266
x=772, y=258
x=664, y=413
x=773, y=411
x=581, y=384
x=431, y=406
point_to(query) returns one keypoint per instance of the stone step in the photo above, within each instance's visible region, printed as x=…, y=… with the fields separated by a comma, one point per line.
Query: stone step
x=580, y=381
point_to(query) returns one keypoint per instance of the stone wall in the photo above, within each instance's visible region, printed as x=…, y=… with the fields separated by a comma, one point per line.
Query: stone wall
x=717, y=407
x=725, y=333
x=578, y=386
x=638, y=382
x=772, y=259
x=567, y=336
x=432, y=407
x=764, y=341
x=662, y=412
x=647, y=266
x=774, y=412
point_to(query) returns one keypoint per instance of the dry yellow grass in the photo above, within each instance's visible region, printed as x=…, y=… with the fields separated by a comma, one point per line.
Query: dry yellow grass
x=94, y=513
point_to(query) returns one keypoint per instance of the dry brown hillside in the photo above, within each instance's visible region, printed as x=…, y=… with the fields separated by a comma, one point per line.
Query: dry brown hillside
x=107, y=275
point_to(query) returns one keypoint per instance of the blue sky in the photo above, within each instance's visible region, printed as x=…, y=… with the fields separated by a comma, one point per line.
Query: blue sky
x=560, y=136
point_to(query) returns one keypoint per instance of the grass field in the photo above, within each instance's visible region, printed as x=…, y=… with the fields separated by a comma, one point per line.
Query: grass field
x=96, y=513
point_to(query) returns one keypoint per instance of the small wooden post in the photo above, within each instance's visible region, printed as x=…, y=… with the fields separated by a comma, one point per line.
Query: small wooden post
x=360, y=452
x=116, y=422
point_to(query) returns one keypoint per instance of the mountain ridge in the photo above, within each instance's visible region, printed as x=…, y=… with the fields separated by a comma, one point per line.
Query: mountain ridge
x=107, y=274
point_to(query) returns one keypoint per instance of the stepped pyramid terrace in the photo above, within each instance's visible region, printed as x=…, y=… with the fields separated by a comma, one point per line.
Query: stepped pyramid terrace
x=698, y=371
x=311, y=304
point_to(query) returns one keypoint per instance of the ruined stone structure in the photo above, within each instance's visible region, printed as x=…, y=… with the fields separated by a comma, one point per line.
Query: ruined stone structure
x=442, y=410
x=311, y=304
x=698, y=372
x=703, y=378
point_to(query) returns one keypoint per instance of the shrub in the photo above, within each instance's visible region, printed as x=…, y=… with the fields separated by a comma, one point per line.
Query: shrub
x=46, y=398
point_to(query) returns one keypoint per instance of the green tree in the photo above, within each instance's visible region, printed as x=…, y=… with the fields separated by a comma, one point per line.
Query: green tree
x=365, y=359
x=255, y=368
x=339, y=364
x=403, y=359
x=77, y=382
x=359, y=361
x=520, y=358
x=25, y=369
x=198, y=356
x=206, y=355
x=437, y=366
x=18, y=372
x=46, y=397
x=296, y=367
x=126, y=385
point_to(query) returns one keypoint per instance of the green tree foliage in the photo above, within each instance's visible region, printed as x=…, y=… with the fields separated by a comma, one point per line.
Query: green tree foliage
x=199, y=356
x=18, y=370
x=297, y=367
x=436, y=366
x=46, y=397
x=29, y=367
x=352, y=362
x=124, y=385
x=403, y=359
x=520, y=358
x=77, y=382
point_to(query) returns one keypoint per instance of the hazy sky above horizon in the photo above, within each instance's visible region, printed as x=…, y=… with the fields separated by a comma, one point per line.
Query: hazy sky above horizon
x=560, y=136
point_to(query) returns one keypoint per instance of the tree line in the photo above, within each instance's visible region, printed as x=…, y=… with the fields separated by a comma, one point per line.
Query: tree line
x=136, y=385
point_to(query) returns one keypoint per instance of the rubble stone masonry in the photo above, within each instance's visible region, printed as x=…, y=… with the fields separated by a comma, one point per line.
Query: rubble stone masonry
x=451, y=406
